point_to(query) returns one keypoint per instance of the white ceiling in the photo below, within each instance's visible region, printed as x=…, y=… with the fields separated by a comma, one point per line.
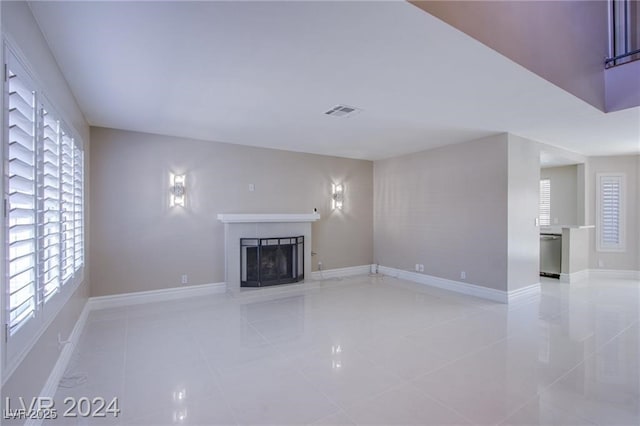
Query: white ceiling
x=263, y=73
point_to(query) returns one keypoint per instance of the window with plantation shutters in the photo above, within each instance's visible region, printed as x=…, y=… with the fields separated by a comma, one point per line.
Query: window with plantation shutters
x=20, y=198
x=610, y=216
x=545, y=202
x=43, y=185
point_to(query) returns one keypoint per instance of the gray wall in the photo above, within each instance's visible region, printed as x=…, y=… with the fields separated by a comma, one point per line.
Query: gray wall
x=20, y=29
x=564, y=194
x=447, y=209
x=629, y=165
x=523, y=207
x=467, y=207
x=140, y=243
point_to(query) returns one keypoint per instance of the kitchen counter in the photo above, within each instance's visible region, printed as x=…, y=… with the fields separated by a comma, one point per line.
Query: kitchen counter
x=575, y=255
x=557, y=229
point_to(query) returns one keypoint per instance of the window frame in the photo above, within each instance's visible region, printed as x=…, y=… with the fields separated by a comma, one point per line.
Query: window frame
x=621, y=245
x=17, y=345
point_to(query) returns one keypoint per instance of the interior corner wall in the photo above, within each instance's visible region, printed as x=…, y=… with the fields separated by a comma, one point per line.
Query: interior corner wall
x=523, y=209
x=445, y=208
x=629, y=259
x=140, y=243
x=564, y=194
x=21, y=31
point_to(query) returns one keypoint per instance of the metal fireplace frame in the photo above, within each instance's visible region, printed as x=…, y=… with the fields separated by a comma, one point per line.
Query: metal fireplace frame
x=297, y=244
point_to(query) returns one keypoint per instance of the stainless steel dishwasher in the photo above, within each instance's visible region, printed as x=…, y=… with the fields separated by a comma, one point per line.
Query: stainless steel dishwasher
x=550, y=255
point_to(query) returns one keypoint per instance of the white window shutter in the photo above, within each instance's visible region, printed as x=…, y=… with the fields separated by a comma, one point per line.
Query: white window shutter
x=610, y=212
x=78, y=206
x=67, y=207
x=21, y=199
x=49, y=222
x=545, y=202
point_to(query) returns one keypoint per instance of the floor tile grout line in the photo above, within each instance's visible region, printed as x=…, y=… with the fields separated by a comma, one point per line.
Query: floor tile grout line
x=562, y=376
x=441, y=403
x=444, y=404
x=214, y=372
x=466, y=355
x=323, y=393
x=481, y=311
x=344, y=413
x=144, y=415
x=216, y=375
x=380, y=366
x=307, y=380
x=538, y=392
x=588, y=357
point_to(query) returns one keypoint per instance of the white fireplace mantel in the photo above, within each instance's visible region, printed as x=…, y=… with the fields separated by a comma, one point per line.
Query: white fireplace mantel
x=256, y=225
x=267, y=217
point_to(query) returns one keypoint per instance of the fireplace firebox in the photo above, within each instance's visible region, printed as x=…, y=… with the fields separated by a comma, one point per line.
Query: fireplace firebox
x=271, y=261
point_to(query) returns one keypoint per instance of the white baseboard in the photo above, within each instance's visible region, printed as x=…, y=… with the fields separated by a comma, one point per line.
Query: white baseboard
x=341, y=272
x=574, y=277
x=51, y=385
x=614, y=273
x=443, y=283
x=532, y=290
x=128, y=299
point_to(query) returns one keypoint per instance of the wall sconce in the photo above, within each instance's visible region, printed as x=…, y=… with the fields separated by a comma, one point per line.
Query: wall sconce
x=177, y=190
x=337, y=196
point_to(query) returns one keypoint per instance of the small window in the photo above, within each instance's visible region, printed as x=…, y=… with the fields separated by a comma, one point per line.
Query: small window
x=545, y=202
x=610, y=218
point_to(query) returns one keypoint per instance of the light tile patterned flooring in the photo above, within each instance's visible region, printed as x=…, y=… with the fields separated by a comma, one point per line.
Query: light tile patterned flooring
x=368, y=350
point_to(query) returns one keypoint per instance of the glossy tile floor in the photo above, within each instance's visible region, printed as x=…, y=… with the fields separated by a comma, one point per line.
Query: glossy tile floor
x=368, y=350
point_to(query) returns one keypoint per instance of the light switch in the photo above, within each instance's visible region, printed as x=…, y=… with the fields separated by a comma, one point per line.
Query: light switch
x=252, y=187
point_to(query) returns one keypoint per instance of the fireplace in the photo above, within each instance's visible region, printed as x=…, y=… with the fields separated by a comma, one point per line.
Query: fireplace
x=271, y=261
x=256, y=226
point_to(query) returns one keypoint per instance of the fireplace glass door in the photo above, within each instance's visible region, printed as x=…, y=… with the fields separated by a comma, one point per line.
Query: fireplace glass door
x=271, y=261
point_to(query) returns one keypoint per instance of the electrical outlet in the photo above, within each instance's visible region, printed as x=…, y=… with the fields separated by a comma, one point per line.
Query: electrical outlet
x=185, y=279
x=319, y=266
x=252, y=187
x=463, y=275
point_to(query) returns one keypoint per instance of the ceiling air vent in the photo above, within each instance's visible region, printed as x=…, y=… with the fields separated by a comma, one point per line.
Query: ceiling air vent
x=343, y=111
